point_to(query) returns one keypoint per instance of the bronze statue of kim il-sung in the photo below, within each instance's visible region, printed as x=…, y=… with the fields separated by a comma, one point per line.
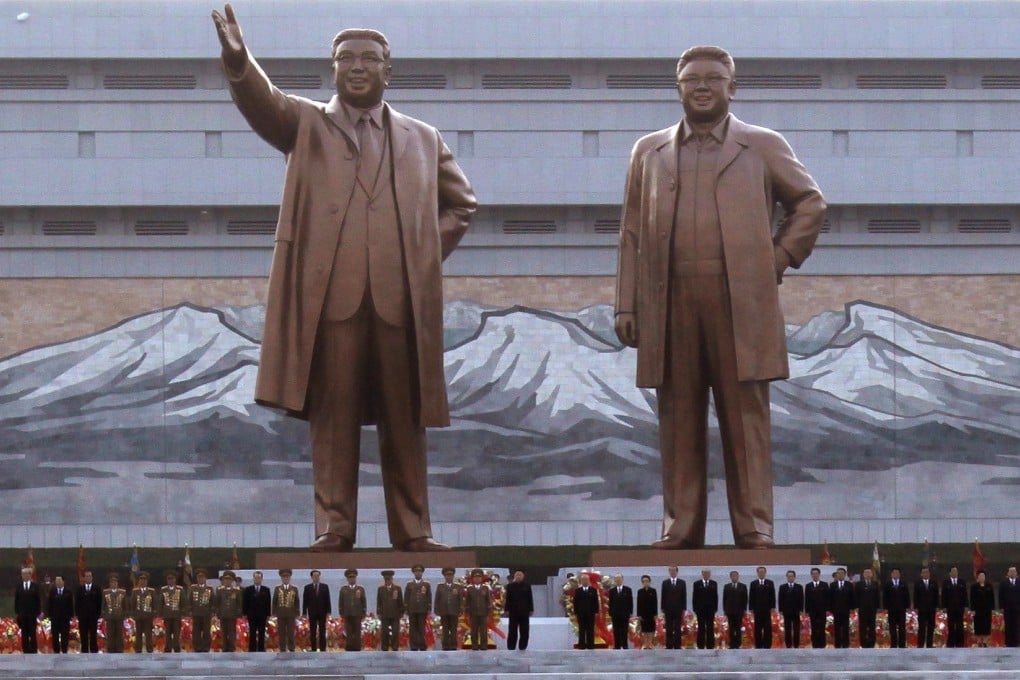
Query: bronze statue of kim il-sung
x=697, y=292
x=373, y=202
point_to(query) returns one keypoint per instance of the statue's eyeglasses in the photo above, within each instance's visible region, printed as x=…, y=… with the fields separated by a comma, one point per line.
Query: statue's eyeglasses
x=712, y=80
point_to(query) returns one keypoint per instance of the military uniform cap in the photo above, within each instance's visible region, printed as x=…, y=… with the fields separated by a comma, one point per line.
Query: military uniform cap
x=351, y=572
x=416, y=567
x=477, y=572
x=387, y=573
x=201, y=572
x=170, y=573
x=285, y=572
x=228, y=574
x=143, y=574
x=449, y=570
x=113, y=577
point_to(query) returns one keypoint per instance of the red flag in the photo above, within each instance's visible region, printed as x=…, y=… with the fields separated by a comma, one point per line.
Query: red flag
x=29, y=562
x=235, y=562
x=977, y=558
x=188, y=576
x=826, y=558
x=81, y=563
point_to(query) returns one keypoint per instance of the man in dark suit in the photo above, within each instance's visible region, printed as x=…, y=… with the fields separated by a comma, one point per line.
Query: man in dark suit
x=88, y=605
x=27, y=607
x=841, y=603
x=734, y=602
x=896, y=597
x=353, y=331
x=954, y=601
x=257, y=604
x=816, y=604
x=761, y=599
x=621, y=608
x=520, y=605
x=1009, y=601
x=61, y=611
x=867, y=597
x=586, y=608
x=317, y=607
x=926, y=601
x=791, y=604
x=673, y=601
x=705, y=603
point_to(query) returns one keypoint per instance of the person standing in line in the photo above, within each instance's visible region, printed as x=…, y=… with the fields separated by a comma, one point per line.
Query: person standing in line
x=816, y=604
x=520, y=606
x=257, y=604
x=449, y=605
x=896, y=598
x=734, y=605
x=791, y=604
x=841, y=602
x=286, y=607
x=201, y=605
x=115, y=610
x=352, y=607
x=673, y=600
x=586, y=608
x=705, y=603
x=418, y=603
x=142, y=604
x=982, y=602
x=621, y=608
x=867, y=599
x=228, y=609
x=27, y=607
x=61, y=610
x=761, y=600
x=88, y=607
x=1009, y=601
x=647, y=610
x=954, y=601
x=389, y=608
x=172, y=601
x=926, y=601
x=317, y=606
x=479, y=608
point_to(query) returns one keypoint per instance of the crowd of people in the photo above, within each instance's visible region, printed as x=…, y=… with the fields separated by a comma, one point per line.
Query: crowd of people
x=203, y=604
x=824, y=602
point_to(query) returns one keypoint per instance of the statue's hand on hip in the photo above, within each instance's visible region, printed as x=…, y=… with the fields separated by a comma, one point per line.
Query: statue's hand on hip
x=231, y=40
x=782, y=262
x=626, y=329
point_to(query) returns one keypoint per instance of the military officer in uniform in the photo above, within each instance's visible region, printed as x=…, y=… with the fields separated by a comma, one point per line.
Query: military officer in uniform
x=352, y=607
x=286, y=607
x=114, y=612
x=478, y=605
x=389, y=608
x=448, y=606
x=228, y=609
x=142, y=605
x=172, y=601
x=201, y=598
x=418, y=602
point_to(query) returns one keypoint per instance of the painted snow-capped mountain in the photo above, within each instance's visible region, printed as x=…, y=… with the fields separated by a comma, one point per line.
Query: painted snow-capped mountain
x=533, y=394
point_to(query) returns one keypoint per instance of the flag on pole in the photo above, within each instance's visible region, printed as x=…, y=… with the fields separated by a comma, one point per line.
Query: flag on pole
x=876, y=561
x=925, y=554
x=29, y=562
x=188, y=576
x=826, y=557
x=136, y=567
x=977, y=558
x=235, y=561
x=82, y=566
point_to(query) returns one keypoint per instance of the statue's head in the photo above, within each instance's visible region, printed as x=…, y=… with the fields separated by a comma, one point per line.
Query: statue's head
x=706, y=81
x=361, y=66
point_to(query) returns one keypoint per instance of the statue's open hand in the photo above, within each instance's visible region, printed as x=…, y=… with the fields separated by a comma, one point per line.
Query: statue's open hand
x=782, y=262
x=626, y=329
x=231, y=40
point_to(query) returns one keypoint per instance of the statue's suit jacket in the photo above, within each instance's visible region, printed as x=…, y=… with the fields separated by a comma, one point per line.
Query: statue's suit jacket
x=756, y=169
x=434, y=203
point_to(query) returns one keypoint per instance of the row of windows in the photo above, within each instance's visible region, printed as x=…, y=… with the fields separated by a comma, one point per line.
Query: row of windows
x=514, y=81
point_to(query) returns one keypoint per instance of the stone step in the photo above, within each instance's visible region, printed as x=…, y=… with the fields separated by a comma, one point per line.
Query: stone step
x=829, y=664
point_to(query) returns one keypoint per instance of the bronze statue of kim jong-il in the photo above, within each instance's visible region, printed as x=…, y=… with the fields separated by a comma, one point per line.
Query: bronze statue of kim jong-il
x=373, y=202
x=698, y=292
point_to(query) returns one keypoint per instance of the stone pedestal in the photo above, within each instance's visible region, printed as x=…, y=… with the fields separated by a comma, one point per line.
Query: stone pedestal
x=363, y=559
x=704, y=557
